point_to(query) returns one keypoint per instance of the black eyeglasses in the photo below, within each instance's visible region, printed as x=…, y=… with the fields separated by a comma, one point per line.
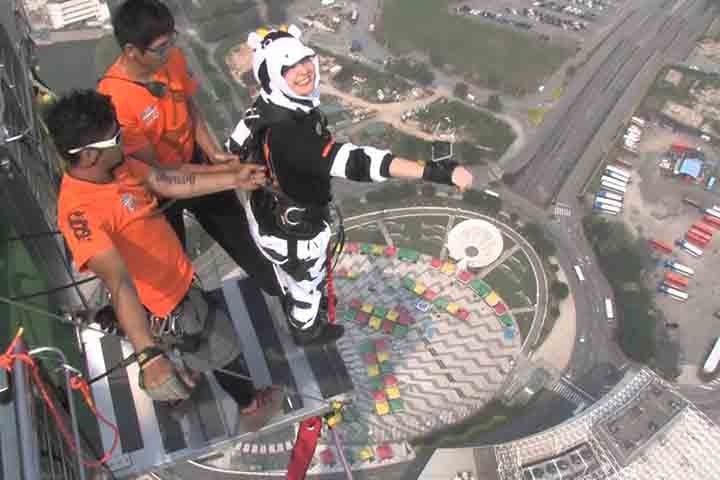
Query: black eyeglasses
x=163, y=49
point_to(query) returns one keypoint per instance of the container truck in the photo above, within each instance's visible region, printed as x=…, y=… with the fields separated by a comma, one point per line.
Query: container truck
x=617, y=176
x=704, y=227
x=675, y=279
x=610, y=196
x=696, y=240
x=712, y=221
x=712, y=212
x=674, y=293
x=638, y=121
x=607, y=208
x=660, y=245
x=618, y=170
x=607, y=201
x=612, y=180
x=614, y=187
x=680, y=268
x=700, y=233
x=690, y=248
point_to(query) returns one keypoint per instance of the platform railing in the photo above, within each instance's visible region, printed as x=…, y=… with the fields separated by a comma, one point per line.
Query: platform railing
x=32, y=445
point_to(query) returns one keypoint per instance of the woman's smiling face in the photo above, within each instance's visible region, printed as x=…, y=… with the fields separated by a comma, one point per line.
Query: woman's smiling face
x=301, y=77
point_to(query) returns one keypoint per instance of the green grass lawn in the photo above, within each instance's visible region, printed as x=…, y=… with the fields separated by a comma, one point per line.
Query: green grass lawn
x=490, y=55
x=508, y=283
x=475, y=126
x=524, y=321
x=521, y=266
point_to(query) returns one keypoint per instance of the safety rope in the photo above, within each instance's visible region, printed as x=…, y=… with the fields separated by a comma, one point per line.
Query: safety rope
x=7, y=362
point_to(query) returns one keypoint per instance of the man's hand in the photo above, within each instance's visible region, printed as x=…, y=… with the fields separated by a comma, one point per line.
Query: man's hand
x=223, y=157
x=157, y=372
x=462, y=178
x=249, y=176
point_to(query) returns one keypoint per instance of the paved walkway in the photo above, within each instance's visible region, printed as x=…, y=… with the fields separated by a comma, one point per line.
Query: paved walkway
x=557, y=348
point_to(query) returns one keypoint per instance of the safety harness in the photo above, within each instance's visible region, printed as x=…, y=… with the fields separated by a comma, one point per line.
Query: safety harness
x=277, y=213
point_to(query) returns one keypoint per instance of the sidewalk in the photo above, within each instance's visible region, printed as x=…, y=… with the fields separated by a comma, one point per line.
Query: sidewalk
x=557, y=348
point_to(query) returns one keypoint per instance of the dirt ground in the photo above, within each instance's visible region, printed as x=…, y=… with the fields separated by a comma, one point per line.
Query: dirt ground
x=654, y=210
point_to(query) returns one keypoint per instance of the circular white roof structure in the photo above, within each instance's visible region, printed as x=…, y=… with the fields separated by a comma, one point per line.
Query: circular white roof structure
x=475, y=243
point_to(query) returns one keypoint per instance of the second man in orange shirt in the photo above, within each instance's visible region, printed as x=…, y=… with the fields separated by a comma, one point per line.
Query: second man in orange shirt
x=152, y=90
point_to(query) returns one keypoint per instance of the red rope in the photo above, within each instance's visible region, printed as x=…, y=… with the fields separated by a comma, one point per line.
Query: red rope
x=8, y=359
x=330, y=291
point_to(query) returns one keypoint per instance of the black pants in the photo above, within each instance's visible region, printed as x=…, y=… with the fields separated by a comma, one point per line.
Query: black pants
x=241, y=390
x=223, y=218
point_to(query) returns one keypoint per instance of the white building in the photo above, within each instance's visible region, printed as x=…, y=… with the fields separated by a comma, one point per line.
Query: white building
x=67, y=12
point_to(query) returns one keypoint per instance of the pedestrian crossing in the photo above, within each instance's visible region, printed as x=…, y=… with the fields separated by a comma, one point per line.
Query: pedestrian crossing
x=561, y=211
x=569, y=393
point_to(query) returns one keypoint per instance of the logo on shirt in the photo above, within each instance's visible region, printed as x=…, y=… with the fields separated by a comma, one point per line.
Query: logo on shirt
x=128, y=201
x=79, y=225
x=150, y=114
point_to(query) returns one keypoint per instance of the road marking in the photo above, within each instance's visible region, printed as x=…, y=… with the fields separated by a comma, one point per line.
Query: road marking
x=562, y=211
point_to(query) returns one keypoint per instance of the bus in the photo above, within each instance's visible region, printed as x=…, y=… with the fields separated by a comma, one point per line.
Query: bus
x=680, y=268
x=611, y=196
x=618, y=170
x=607, y=201
x=704, y=227
x=690, y=248
x=676, y=280
x=609, y=313
x=711, y=362
x=611, y=209
x=491, y=193
x=674, y=293
x=579, y=273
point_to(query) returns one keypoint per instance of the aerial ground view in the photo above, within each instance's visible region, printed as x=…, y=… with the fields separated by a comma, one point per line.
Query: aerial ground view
x=532, y=296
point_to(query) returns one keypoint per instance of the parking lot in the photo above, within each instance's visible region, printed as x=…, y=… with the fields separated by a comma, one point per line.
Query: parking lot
x=551, y=19
x=654, y=209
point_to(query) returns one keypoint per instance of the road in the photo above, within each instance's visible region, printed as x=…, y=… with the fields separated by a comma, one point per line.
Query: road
x=611, y=70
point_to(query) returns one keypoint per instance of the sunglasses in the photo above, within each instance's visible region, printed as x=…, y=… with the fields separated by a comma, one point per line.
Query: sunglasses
x=101, y=145
x=163, y=49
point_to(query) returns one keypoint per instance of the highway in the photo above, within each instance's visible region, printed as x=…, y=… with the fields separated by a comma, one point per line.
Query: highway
x=584, y=108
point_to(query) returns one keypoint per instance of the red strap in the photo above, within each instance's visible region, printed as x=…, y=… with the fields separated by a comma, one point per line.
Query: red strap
x=326, y=149
x=8, y=359
x=304, y=448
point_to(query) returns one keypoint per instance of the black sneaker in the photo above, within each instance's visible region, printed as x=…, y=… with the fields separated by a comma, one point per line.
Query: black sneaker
x=319, y=334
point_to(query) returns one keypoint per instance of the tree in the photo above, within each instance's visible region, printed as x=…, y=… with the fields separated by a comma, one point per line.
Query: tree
x=437, y=60
x=460, y=90
x=536, y=236
x=494, y=103
x=559, y=290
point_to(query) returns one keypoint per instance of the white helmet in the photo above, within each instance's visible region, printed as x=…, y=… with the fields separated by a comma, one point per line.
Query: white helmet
x=273, y=52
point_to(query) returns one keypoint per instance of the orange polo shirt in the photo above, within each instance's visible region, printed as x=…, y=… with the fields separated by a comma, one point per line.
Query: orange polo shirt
x=96, y=217
x=165, y=123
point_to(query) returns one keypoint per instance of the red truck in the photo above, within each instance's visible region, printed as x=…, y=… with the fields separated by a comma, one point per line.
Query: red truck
x=676, y=280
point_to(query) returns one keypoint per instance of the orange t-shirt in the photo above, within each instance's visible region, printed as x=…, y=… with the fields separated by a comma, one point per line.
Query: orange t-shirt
x=95, y=217
x=165, y=123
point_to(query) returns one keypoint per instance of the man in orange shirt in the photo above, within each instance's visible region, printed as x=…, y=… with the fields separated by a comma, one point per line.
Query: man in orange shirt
x=107, y=213
x=153, y=91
